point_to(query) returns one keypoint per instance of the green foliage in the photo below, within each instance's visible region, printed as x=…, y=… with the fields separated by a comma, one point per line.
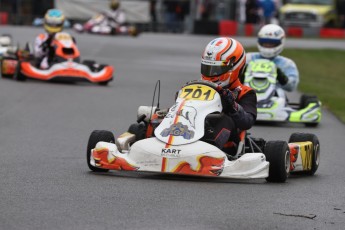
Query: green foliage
x=322, y=73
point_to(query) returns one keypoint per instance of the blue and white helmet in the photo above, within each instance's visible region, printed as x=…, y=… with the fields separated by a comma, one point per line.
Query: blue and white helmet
x=271, y=40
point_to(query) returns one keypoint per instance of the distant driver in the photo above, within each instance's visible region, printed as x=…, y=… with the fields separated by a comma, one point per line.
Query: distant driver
x=53, y=23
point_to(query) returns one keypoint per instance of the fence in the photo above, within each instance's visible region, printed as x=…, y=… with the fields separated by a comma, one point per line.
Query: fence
x=215, y=17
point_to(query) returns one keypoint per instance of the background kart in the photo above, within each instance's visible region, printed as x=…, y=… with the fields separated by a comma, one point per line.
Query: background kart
x=142, y=149
x=64, y=64
x=98, y=24
x=273, y=104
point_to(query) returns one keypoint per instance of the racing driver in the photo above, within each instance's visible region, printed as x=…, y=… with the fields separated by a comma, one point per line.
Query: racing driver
x=53, y=22
x=271, y=40
x=222, y=62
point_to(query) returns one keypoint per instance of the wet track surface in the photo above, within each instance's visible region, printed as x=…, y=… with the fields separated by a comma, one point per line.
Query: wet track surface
x=44, y=129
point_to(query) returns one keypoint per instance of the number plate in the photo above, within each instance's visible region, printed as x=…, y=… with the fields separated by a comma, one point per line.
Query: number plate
x=197, y=92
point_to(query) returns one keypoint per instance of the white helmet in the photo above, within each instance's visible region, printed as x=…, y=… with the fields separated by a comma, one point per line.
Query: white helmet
x=271, y=39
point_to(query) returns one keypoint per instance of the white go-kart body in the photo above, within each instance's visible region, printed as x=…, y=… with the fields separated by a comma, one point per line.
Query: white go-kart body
x=176, y=147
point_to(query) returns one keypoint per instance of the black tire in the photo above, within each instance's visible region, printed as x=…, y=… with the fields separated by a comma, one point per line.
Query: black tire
x=18, y=74
x=101, y=66
x=306, y=99
x=139, y=130
x=301, y=137
x=88, y=62
x=278, y=155
x=95, y=137
x=311, y=124
x=104, y=83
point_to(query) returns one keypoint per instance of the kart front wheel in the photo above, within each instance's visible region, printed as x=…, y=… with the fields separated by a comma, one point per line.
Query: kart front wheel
x=95, y=137
x=302, y=137
x=278, y=155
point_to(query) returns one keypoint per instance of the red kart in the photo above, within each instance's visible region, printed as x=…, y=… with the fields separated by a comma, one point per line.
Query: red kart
x=64, y=64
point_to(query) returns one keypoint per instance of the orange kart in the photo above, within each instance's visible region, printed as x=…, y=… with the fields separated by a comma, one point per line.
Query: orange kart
x=64, y=64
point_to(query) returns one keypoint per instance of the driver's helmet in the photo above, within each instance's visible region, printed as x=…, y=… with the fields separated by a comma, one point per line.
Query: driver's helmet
x=223, y=61
x=271, y=39
x=54, y=21
x=114, y=4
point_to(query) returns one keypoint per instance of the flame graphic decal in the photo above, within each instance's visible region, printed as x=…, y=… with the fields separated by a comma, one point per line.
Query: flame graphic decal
x=207, y=166
x=114, y=163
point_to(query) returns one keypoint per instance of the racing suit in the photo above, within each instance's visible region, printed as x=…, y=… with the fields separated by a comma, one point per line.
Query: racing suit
x=286, y=66
x=240, y=116
x=41, y=49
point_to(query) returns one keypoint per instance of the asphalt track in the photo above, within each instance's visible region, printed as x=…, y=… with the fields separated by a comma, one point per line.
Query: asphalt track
x=44, y=128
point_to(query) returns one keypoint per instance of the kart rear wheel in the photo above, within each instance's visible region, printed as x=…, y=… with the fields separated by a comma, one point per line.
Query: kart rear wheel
x=104, y=83
x=301, y=137
x=278, y=155
x=306, y=99
x=95, y=137
x=89, y=63
x=18, y=74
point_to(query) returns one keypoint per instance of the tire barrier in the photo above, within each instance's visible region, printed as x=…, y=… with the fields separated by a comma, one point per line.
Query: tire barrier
x=233, y=28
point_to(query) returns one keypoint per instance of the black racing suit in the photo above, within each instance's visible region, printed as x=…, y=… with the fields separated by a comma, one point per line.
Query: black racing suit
x=227, y=127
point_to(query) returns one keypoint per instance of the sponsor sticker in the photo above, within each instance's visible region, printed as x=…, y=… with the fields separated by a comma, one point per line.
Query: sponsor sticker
x=170, y=152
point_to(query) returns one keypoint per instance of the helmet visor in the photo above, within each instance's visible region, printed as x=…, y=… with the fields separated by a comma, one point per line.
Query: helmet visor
x=269, y=42
x=214, y=68
x=54, y=24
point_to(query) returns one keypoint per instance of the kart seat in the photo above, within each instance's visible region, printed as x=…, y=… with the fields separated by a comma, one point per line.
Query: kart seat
x=68, y=51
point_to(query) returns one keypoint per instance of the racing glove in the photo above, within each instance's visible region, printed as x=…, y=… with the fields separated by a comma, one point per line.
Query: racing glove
x=281, y=77
x=229, y=101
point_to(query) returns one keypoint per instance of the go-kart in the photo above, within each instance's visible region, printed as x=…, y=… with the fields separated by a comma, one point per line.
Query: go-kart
x=171, y=141
x=273, y=104
x=98, y=25
x=64, y=64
